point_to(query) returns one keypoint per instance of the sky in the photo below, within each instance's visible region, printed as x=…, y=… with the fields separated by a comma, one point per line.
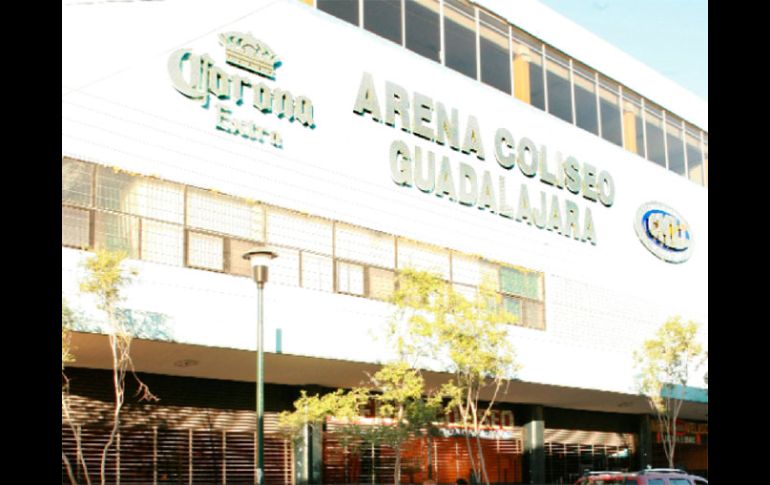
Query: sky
x=670, y=36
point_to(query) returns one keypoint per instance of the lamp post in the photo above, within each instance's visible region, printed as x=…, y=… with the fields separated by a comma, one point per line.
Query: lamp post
x=260, y=259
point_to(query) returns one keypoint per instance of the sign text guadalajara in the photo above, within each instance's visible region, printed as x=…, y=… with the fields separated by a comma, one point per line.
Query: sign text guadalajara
x=428, y=119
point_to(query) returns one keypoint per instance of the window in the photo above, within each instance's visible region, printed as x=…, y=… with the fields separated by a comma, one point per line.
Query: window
x=678, y=481
x=609, y=109
x=460, y=37
x=346, y=10
x=495, y=59
x=422, y=28
x=559, y=90
x=655, y=481
x=694, y=156
x=142, y=196
x=317, y=272
x=238, y=265
x=653, y=125
x=586, y=115
x=284, y=269
x=364, y=245
x=117, y=232
x=523, y=296
x=206, y=251
x=76, y=182
x=528, y=70
x=225, y=214
x=470, y=270
x=423, y=257
x=350, y=278
x=705, y=160
x=75, y=227
x=287, y=228
x=383, y=17
x=381, y=283
x=520, y=282
x=633, y=131
x=162, y=242
x=675, y=146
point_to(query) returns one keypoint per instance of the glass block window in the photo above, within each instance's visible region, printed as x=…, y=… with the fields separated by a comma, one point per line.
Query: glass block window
x=206, y=251
x=521, y=283
x=299, y=231
x=423, y=257
x=240, y=266
x=381, y=283
x=140, y=196
x=117, y=232
x=162, y=243
x=470, y=270
x=364, y=245
x=284, y=269
x=76, y=182
x=75, y=226
x=225, y=214
x=317, y=272
x=350, y=278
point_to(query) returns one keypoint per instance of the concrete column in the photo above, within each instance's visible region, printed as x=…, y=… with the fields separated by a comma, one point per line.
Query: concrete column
x=307, y=457
x=645, y=442
x=534, y=451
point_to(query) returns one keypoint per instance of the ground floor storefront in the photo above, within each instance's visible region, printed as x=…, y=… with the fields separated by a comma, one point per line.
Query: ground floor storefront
x=203, y=431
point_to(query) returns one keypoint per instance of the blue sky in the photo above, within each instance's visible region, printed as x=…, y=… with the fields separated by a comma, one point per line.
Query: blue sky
x=670, y=36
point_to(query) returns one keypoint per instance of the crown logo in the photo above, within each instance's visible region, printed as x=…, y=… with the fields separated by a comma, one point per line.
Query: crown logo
x=245, y=51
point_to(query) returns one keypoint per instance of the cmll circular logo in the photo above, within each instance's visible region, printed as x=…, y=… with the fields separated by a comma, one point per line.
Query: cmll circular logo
x=664, y=232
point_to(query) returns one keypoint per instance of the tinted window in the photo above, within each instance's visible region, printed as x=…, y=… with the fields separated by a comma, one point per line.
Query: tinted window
x=678, y=481
x=585, y=104
x=610, y=116
x=675, y=149
x=495, y=61
x=656, y=151
x=422, y=28
x=460, y=37
x=383, y=17
x=694, y=159
x=655, y=481
x=633, y=129
x=528, y=72
x=559, y=92
x=346, y=10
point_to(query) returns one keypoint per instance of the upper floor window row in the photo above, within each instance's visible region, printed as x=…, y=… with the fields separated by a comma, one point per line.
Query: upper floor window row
x=476, y=43
x=170, y=223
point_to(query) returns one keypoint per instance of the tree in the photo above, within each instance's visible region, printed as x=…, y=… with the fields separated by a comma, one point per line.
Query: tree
x=105, y=279
x=666, y=362
x=464, y=337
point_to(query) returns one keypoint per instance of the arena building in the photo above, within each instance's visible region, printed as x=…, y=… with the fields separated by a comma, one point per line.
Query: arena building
x=359, y=137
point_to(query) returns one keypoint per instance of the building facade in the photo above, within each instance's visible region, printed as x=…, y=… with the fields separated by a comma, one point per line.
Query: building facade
x=358, y=137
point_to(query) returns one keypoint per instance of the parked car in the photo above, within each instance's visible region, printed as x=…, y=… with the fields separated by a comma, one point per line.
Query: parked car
x=662, y=476
x=602, y=478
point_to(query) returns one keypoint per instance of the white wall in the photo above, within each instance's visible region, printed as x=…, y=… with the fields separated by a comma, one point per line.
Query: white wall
x=119, y=108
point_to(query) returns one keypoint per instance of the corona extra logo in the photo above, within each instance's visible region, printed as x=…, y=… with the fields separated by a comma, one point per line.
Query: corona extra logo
x=663, y=232
x=245, y=51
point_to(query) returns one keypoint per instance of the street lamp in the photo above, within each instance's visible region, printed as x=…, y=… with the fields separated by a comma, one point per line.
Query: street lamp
x=259, y=258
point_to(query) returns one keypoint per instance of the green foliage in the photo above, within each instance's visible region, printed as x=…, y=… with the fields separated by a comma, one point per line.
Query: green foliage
x=668, y=359
x=105, y=278
x=313, y=410
x=665, y=363
x=67, y=321
x=467, y=338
